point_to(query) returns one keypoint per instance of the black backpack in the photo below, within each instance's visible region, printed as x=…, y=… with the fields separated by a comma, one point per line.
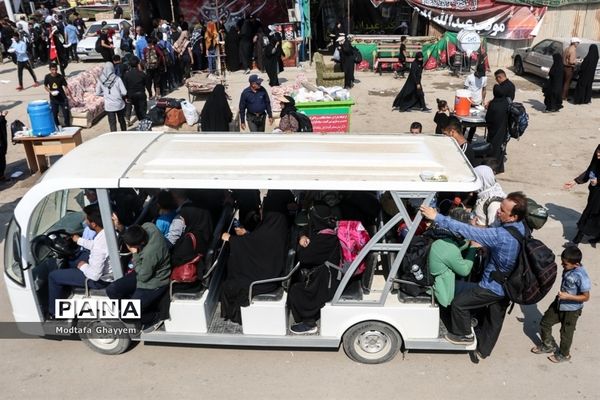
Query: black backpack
x=534, y=273
x=304, y=123
x=536, y=215
x=416, y=254
x=126, y=44
x=98, y=47
x=157, y=116
x=518, y=119
x=15, y=127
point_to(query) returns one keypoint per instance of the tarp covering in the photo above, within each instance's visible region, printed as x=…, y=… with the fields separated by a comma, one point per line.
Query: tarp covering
x=439, y=54
x=551, y=3
x=486, y=17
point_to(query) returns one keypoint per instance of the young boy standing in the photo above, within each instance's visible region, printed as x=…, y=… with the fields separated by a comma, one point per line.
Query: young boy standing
x=566, y=308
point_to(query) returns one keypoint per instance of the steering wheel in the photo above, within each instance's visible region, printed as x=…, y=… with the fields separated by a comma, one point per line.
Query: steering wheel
x=55, y=243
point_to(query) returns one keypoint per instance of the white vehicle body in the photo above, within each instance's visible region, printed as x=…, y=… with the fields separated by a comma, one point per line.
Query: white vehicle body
x=408, y=166
x=86, y=48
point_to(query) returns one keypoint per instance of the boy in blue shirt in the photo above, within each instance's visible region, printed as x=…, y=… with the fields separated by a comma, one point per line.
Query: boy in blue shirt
x=566, y=308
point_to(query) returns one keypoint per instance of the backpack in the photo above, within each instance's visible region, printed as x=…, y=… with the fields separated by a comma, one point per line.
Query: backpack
x=416, y=254
x=157, y=116
x=151, y=59
x=169, y=56
x=353, y=237
x=15, y=127
x=98, y=46
x=304, y=123
x=486, y=205
x=536, y=215
x=518, y=119
x=126, y=44
x=357, y=55
x=534, y=273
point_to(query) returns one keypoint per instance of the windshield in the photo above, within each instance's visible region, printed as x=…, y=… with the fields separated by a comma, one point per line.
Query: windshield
x=60, y=210
x=94, y=29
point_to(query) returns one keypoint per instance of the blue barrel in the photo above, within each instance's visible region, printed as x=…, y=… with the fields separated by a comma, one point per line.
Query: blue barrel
x=41, y=118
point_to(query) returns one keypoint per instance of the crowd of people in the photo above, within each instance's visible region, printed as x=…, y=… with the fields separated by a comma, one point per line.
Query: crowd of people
x=181, y=227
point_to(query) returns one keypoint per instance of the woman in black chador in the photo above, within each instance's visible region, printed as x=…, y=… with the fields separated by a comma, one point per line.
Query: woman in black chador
x=320, y=244
x=216, y=114
x=347, y=61
x=553, y=87
x=496, y=119
x=412, y=95
x=271, y=60
x=587, y=70
x=232, y=49
x=256, y=255
x=589, y=223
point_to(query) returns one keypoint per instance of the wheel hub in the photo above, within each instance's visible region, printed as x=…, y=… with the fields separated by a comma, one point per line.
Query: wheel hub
x=372, y=341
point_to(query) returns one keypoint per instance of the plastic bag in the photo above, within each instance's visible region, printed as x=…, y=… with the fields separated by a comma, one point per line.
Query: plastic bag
x=336, y=55
x=189, y=112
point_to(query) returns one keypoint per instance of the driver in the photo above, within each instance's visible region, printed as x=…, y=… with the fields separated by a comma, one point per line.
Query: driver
x=96, y=270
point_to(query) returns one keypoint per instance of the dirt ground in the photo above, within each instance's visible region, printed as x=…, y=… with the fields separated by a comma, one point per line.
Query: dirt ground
x=555, y=148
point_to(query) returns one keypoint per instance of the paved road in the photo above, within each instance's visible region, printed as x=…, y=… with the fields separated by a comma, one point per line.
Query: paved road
x=554, y=149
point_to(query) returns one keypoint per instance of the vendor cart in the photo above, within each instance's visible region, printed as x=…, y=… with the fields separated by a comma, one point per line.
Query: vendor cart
x=328, y=116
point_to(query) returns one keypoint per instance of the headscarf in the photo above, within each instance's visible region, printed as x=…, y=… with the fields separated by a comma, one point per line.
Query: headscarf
x=557, y=69
x=289, y=107
x=498, y=91
x=216, y=114
x=489, y=186
x=197, y=222
x=419, y=58
x=595, y=163
x=320, y=217
x=277, y=201
x=108, y=77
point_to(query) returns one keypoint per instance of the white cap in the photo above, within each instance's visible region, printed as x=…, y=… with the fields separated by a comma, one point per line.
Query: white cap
x=575, y=39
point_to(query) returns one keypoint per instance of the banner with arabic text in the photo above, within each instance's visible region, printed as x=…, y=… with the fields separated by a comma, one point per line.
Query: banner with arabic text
x=490, y=19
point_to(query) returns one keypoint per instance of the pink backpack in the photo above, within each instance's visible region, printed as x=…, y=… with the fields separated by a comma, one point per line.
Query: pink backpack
x=353, y=237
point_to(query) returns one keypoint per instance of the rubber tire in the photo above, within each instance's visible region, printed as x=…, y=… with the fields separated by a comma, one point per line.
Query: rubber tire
x=518, y=66
x=118, y=345
x=352, y=348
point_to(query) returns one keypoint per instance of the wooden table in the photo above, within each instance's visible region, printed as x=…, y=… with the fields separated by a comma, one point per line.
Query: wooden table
x=57, y=144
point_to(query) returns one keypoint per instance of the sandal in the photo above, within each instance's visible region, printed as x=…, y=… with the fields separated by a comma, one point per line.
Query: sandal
x=543, y=349
x=558, y=358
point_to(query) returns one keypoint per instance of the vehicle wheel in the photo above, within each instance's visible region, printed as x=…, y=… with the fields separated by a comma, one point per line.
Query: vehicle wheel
x=101, y=337
x=519, y=66
x=371, y=342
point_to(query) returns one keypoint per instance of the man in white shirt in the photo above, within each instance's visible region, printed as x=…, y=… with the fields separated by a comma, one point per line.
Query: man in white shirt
x=96, y=269
x=476, y=83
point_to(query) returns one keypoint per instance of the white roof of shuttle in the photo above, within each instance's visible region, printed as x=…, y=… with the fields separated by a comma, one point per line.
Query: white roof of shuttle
x=266, y=161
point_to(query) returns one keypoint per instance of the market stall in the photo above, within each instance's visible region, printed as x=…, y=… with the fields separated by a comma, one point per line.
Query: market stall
x=329, y=108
